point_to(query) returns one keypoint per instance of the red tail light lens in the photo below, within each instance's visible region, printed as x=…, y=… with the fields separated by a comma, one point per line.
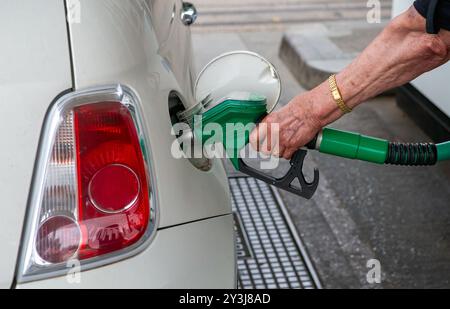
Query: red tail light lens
x=113, y=197
x=93, y=198
x=114, y=178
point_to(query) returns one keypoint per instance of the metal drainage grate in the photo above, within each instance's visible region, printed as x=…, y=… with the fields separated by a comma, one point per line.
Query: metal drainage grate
x=270, y=252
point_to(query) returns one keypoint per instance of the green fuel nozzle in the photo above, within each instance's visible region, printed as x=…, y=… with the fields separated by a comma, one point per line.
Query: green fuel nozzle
x=231, y=121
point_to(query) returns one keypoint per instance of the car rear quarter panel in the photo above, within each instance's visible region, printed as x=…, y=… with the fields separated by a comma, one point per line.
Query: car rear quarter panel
x=115, y=42
x=34, y=69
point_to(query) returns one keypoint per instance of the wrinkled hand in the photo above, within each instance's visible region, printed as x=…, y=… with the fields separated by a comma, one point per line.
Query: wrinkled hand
x=284, y=132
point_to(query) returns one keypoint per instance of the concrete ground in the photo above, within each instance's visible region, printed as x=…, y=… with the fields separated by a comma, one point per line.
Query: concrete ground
x=400, y=216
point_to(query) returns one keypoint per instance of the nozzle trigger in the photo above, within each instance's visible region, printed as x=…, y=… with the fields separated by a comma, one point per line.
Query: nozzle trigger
x=306, y=189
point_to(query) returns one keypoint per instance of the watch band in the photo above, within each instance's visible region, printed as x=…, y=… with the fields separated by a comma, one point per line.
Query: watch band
x=336, y=94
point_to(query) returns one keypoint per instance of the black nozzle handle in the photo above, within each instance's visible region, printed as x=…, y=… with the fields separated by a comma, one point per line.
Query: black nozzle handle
x=306, y=189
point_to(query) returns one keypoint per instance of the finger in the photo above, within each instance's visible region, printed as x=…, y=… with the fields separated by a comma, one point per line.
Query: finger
x=278, y=151
x=288, y=153
x=258, y=136
x=277, y=148
x=273, y=136
x=271, y=145
x=266, y=148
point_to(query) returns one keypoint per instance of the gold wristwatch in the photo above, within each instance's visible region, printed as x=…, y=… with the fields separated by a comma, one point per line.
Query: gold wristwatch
x=336, y=94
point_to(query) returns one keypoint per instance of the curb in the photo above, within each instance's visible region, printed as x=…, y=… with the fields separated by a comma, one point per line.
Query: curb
x=313, y=58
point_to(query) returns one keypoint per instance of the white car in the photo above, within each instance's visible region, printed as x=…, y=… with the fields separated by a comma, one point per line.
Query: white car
x=92, y=196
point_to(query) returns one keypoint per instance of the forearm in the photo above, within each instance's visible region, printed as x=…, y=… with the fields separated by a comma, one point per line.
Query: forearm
x=399, y=54
x=402, y=52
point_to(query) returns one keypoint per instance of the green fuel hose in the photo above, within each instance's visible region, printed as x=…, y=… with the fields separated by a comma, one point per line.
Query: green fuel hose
x=365, y=148
x=233, y=112
x=234, y=118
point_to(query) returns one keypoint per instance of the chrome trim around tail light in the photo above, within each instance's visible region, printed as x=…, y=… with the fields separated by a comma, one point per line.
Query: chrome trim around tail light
x=28, y=268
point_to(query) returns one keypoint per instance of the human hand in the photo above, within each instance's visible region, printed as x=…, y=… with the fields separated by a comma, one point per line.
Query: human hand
x=284, y=132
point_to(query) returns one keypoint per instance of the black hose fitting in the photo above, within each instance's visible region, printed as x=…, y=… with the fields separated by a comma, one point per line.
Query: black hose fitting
x=420, y=154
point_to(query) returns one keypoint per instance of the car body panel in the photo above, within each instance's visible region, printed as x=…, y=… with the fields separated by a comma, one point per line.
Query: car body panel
x=34, y=69
x=174, y=40
x=196, y=261
x=115, y=42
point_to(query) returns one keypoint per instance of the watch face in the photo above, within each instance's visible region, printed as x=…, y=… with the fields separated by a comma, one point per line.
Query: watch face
x=336, y=95
x=238, y=72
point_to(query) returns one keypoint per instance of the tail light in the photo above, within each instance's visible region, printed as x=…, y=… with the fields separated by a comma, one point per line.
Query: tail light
x=91, y=197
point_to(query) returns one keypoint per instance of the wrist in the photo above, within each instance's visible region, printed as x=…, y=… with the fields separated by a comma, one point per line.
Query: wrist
x=354, y=82
x=322, y=106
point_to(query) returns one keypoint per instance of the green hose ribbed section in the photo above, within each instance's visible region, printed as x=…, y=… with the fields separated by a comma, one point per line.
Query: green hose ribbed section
x=443, y=151
x=365, y=148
